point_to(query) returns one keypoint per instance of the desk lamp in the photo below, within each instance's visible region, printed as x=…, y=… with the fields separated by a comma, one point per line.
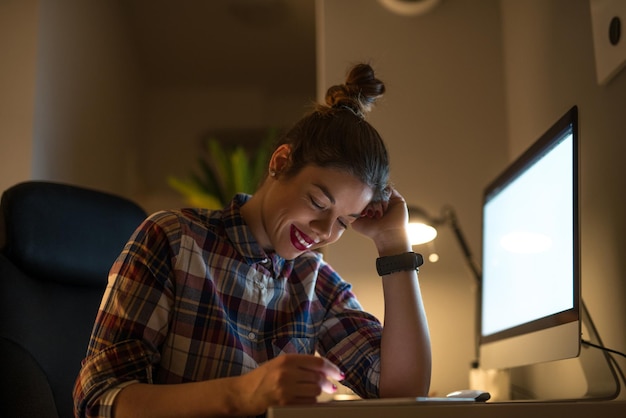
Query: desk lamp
x=423, y=230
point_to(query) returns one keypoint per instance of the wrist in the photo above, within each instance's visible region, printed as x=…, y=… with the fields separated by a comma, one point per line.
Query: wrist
x=407, y=261
x=392, y=244
x=234, y=396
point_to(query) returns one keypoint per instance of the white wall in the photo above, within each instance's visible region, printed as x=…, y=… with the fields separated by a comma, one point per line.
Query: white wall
x=87, y=90
x=18, y=43
x=443, y=119
x=69, y=94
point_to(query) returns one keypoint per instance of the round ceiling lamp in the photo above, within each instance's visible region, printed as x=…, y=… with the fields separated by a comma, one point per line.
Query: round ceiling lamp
x=409, y=7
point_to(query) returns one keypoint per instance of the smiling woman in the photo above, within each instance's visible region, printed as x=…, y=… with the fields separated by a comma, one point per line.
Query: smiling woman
x=308, y=210
x=221, y=312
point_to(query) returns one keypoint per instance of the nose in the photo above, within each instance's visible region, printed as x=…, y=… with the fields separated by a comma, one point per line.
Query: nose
x=323, y=227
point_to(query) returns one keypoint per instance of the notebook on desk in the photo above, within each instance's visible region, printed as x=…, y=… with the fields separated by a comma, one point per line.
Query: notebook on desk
x=397, y=401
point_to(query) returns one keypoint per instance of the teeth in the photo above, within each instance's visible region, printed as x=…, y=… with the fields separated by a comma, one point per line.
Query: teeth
x=302, y=240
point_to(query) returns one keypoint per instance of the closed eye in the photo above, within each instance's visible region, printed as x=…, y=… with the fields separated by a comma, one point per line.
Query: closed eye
x=317, y=204
x=320, y=206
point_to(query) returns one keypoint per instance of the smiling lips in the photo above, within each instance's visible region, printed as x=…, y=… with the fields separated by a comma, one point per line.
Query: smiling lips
x=300, y=240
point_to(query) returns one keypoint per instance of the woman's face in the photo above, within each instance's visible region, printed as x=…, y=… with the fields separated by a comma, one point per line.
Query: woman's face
x=310, y=210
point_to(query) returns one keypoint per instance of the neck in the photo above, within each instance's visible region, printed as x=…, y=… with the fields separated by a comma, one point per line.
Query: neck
x=252, y=213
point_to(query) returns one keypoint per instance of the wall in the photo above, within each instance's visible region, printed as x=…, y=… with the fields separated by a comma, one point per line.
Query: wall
x=444, y=122
x=216, y=69
x=81, y=102
x=87, y=90
x=69, y=95
x=18, y=43
x=176, y=118
x=550, y=66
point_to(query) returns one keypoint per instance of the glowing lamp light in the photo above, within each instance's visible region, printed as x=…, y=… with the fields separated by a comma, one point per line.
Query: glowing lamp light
x=421, y=233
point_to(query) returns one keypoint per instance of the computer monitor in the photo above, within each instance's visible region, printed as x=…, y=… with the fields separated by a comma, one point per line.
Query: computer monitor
x=530, y=294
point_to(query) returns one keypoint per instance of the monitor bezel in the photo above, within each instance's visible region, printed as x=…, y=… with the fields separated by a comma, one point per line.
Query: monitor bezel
x=507, y=337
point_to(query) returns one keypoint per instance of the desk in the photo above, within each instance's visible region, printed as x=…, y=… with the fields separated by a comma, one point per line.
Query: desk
x=580, y=409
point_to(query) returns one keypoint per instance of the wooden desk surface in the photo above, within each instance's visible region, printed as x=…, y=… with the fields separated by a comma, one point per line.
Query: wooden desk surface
x=576, y=409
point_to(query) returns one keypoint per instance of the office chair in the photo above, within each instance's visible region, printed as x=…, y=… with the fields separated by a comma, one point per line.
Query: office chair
x=57, y=243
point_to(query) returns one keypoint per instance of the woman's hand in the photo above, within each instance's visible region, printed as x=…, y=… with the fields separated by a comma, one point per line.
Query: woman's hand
x=287, y=379
x=385, y=224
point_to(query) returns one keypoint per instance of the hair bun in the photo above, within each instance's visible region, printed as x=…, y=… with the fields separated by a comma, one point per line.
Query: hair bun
x=359, y=92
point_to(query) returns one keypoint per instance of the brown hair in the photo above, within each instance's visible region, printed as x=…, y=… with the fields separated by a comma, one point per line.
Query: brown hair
x=337, y=135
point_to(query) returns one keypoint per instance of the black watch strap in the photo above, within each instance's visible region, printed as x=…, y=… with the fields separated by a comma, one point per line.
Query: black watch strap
x=401, y=262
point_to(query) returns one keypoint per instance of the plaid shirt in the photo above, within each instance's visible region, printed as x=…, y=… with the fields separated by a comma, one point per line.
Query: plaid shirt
x=193, y=297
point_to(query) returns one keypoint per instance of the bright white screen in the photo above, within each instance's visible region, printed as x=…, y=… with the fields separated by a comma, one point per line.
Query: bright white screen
x=528, y=242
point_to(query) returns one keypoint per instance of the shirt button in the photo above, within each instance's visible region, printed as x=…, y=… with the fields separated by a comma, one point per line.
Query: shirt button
x=251, y=335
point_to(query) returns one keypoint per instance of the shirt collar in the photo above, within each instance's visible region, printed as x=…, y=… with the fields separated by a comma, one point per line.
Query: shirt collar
x=241, y=238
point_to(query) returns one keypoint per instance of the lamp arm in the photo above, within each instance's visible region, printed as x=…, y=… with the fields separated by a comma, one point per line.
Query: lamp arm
x=451, y=217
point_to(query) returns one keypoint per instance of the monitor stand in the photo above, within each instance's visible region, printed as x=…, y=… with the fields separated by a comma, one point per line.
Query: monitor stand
x=597, y=366
x=590, y=376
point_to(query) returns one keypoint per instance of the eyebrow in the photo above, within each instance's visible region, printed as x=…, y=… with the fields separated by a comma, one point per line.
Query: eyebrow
x=330, y=197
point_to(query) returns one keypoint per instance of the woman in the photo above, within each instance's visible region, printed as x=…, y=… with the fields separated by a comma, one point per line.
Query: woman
x=220, y=313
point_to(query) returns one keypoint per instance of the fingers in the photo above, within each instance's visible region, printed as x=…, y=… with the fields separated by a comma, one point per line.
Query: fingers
x=331, y=371
x=309, y=385
x=374, y=210
x=313, y=373
x=377, y=209
x=287, y=379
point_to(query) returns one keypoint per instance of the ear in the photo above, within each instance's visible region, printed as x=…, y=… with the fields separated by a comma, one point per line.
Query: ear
x=280, y=158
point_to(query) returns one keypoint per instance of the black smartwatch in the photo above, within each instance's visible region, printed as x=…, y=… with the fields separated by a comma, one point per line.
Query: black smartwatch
x=401, y=262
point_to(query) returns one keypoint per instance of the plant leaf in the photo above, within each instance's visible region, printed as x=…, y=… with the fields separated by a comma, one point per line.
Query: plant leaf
x=193, y=194
x=221, y=164
x=223, y=172
x=208, y=179
x=204, y=201
x=240, y=171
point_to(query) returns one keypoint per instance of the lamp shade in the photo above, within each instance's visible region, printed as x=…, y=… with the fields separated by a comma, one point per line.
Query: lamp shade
x=421, y=228
x=421, y=233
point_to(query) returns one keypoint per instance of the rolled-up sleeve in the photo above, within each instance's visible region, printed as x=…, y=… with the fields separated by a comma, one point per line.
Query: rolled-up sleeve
x=131, y=324
x=104, y=374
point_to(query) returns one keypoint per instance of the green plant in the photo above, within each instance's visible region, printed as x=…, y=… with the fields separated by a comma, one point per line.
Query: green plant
x=223, y=172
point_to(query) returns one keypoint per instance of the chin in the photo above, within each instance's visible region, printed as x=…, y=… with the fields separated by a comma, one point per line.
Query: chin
x=290, y=254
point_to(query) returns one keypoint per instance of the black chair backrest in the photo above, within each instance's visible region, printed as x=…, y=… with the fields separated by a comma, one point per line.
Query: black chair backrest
x=57, y=244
